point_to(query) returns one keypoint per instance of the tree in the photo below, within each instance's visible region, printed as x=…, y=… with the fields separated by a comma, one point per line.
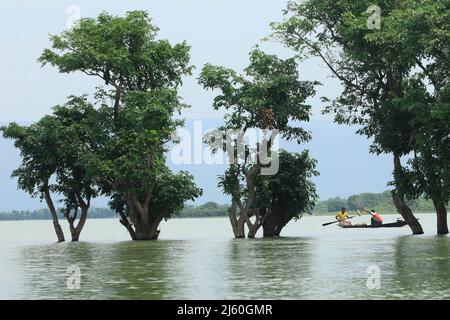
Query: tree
x=143, y=74
x=129, y=163
x=335, y=204
x=51, y=150
x=269, y=96
x=170, y=192
x=76, y=120
x=421, y=27
x=121, y=51
x=288, y=194
x=38, y=149
x=374, y=74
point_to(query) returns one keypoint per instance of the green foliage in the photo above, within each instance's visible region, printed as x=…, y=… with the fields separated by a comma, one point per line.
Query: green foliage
x=267, y=96
x=381, y=202
x=129, y=150
x=128, y=160
x=51, y=152
x=116, y=150
x=290, y=191
x=207, y=210
x=395, y=80
x=123, y=51
x=333, y=204
x=38, y=149
x=44, y=214
x=372, y=73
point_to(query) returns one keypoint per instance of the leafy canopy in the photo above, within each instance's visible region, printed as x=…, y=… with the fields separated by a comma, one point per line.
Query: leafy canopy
x=123, y=51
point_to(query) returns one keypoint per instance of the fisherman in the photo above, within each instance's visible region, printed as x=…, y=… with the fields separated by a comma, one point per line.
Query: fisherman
x=376, y=219
x=342, y=217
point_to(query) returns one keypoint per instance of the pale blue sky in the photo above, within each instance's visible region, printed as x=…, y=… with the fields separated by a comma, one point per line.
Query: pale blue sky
x=220, y=32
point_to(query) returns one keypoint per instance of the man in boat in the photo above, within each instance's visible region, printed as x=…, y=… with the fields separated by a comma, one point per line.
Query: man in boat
x=342, y=217
x=376, y=219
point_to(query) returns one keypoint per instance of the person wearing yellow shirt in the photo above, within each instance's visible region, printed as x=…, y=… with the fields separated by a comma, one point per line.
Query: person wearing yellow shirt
x=342, y=217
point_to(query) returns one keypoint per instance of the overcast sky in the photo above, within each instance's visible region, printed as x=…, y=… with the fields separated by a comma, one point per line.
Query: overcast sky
x=220, y=32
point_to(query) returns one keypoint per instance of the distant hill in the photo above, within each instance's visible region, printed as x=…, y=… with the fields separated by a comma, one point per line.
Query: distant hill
x=44, y=214
x=209, y=209
x=381, y=202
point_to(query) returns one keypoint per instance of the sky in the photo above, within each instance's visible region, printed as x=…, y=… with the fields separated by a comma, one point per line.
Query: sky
x=221, y=32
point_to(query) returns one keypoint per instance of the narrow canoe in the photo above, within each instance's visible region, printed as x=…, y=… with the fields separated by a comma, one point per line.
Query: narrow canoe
x=397, y=224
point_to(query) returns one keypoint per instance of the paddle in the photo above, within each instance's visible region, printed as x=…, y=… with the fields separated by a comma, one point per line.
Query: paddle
x=371, y=213
x=361, y=208
x=337, y=221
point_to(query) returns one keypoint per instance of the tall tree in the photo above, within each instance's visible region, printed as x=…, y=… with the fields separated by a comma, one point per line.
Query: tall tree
x=142, y=74
x=268, y=96
x=288, y=194
x=77, y=119
x=374, y=73
x=124, y=52
x=51, y=152
x=421, y=28
x=38, y=149
x=129, y=162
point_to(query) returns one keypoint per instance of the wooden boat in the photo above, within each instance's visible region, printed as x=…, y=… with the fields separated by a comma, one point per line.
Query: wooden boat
x=397, y=224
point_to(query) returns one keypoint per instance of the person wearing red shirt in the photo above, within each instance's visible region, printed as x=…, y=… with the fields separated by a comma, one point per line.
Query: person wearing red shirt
x=376, y=219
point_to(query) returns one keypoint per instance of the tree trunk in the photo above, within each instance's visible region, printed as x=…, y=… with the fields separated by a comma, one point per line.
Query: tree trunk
x=399, y=201
x=139, y=222
x=147, y=232
x=237, y=224
x=142, y=231
x=154, y=233
x=58, y=230
x=239, y=228
x=407, y=214
x=261, y=216
x=280, y=228
x=76, y=231
x=253, y=230
x=441, y=211
x=274, y=224
x=147, y=229
x=126, y=223
x=117, y=98
x=155, y=222
x=142, y=225
x=270, y=226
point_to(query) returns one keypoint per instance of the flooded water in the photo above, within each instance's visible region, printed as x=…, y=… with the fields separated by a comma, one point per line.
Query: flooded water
x=198, y=259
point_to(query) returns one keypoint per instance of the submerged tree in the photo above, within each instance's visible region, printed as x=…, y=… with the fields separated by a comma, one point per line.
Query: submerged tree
x=288, y=194
x=124, y=52
x=142, y=74
x=51, y=152
x=38, y=150
x=419, y=27
x=129, y=162
x=376, y=67
x=171, y=191
x=114, y=150
x=269, y=96
x=74, y=183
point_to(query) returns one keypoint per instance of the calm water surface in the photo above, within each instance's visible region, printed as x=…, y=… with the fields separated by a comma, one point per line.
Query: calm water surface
x=198, y=259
